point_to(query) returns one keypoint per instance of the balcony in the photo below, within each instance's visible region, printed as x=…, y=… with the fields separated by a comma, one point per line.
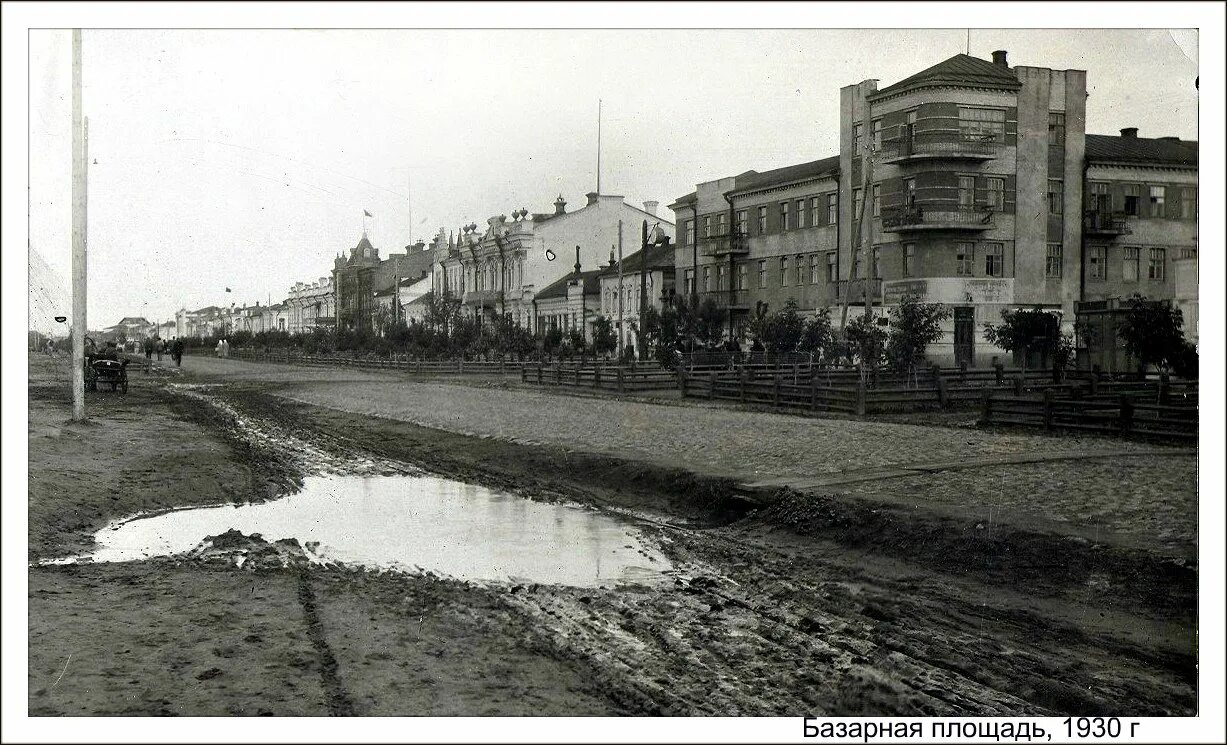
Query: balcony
x=909, y=219
x=729, y=299
x=976, y=148
x=1105, y=224
x=723, y=245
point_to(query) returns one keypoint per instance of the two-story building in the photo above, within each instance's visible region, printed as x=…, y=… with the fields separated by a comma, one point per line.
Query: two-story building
x=359, y=276
x=501, y=267
x=642, y=279
x=310, y=305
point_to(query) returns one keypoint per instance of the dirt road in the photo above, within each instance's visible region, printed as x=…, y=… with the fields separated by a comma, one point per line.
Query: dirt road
x=849, y=601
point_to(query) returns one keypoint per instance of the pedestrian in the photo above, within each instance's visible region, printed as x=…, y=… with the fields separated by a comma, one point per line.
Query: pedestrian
x=50, y=348
x=158, y=346
x=148, y=349
x=218, y=351
x=225, y=347
x=176, y=351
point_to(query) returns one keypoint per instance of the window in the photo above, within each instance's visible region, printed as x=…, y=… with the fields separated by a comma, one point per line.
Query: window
x=814, y=214
x=762, y=220
x=963, y=258
x=856, y=204
x=877, y=200
x=1056, y=128
x=856, y=263
x=722, y=277
x=783, y=271
x=1052, y=261
x=707, y=279
x=831, y=267
x=742, y=276
x=1188, y=253
x=800, y=267
x=1157, y=197
x=801, y=214
x=877, y=262
x=1101, y=197
x=689, y=281
x=784, y=216
x=909, y=192
x=1188, y=203
x=1158, y=264
x=876, y=130
x=690, y=231
x=1056, y=196
x=722, y=224
x=858, y=137
x=909, y=259
x=994, y=260
x=1133, y=264
x=1133, y=198
x=967, y=191
x=1096, y=262
x=762, y=274
x=996, y=194
x=814, y=269
x=707, y=226
x=982, y=125
x=743, y=222
x=832, y=208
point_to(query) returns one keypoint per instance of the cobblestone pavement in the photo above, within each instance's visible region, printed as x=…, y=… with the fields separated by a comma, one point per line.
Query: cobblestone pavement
x=1149, y=497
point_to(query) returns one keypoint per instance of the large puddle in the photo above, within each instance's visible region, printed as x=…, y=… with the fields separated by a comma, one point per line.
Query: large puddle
x=413, y=523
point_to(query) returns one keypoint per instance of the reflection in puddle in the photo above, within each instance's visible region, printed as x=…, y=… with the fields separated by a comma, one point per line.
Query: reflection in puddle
x=402, y=522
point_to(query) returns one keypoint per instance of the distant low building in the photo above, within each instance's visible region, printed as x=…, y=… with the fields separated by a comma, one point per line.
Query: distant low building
x=570, y=303
x=311, y=305
x=656, y=274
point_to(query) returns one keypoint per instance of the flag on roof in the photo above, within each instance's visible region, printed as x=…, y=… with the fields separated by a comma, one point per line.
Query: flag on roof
x=227, y=289
x=364, y=212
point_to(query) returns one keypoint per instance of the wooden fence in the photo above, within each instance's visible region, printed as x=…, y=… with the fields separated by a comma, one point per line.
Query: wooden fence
x=1159, y=410
x=612, y=378
x=401, y=363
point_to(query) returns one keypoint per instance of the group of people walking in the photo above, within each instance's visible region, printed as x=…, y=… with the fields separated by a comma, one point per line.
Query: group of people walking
x=159, y=346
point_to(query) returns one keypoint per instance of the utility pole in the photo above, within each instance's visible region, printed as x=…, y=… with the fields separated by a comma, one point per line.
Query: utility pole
x=643, y=288
x=79, y=197
x=621, y=323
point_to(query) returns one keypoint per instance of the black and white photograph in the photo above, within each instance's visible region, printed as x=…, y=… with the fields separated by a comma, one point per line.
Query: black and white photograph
x=613, y=372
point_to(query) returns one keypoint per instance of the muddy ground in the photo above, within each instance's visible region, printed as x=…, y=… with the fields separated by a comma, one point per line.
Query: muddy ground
x=794, y=604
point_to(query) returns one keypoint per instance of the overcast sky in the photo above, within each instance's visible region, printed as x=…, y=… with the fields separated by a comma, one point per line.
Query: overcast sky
x=245, y=159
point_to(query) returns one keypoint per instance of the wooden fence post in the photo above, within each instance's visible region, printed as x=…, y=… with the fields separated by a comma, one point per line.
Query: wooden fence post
x=962, y=371
x=986, y=414
x=794, y=373
x=558, y=373
x=1020, y=382
x=596, y=376
x=943, y=396
x=460, y=365
x=540, y=372
x=1164, y=389
x=1048, y=409
x=998, y=371
x=1126, y=414
x=1095, y=383
x=860, y=398
x=775, y=392
x=743, y=378
x=711, y=387
x=813, y=393
x=622, y=382
x=682, y=375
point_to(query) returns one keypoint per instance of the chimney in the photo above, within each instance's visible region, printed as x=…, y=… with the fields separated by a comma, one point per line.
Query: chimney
x=577, y=259
x=1130, y=132
x=650, y=207
x=612, y=261
x=999, y=58
x=592, y=198
x=560, y=206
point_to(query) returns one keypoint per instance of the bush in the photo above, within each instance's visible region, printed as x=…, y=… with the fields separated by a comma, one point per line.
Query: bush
x=913, y=327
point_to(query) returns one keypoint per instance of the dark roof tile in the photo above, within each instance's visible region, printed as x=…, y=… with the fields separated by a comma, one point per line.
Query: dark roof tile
x=559, y=289
x=959, y=70
x=1114, y=149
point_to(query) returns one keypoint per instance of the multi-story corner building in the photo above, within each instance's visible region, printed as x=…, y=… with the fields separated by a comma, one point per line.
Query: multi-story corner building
x=500, y=268
x=360, y=275
x=310, y=305
x=640, y=282
x=970, y=183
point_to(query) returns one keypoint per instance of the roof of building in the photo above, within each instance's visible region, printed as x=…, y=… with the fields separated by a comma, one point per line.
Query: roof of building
x=960, y=70
x=592, y=285
x=690, y=198
x=814, y=169
x=1115, y=149
x=130, y=320
x=659, y=257
x=386, y=293
x=423, y=299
